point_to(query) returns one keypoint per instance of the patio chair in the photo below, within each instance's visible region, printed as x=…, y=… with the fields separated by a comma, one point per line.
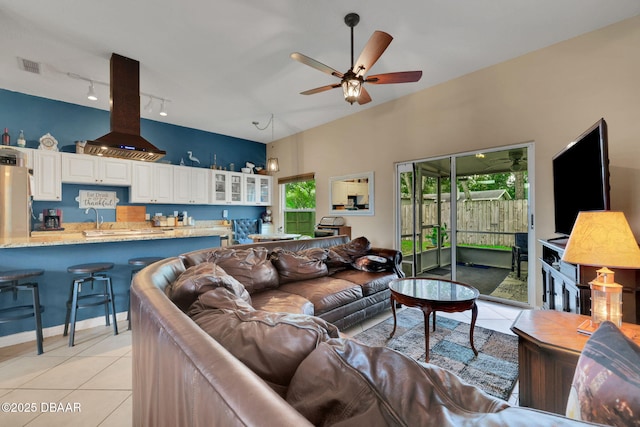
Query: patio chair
x=242, y=228
x=519, y=251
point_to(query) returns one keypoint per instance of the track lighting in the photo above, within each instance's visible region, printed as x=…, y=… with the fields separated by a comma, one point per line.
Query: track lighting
x=149, y=107
x=91, y=94
x=163, y=111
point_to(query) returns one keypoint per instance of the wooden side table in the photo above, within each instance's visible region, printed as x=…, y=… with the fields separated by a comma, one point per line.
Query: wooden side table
x=548, y=350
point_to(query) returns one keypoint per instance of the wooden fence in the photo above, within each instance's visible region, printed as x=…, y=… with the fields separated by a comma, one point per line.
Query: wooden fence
x=483, y=222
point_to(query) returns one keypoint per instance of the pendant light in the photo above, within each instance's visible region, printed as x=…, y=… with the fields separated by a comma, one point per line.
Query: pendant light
x=272, y=163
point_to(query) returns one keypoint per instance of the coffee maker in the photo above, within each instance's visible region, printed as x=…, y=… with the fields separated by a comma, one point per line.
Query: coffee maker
x=52, y=219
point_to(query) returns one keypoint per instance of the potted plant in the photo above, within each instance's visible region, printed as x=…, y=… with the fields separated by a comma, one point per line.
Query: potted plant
x=443, y=235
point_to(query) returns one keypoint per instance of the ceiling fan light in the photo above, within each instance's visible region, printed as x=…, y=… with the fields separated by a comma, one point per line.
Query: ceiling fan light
x=351, y=89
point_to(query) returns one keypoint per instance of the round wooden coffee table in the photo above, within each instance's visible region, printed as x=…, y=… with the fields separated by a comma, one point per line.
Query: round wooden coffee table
x=431, y=295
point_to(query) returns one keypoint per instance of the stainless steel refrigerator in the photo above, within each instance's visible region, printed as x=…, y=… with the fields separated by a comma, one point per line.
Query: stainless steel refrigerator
x=15, y=201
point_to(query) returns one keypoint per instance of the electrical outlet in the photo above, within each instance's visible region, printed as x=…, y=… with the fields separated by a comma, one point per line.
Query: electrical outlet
x=225, y=213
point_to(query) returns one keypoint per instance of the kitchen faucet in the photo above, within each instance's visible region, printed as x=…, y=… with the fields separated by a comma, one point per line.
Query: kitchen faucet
x=98, y=221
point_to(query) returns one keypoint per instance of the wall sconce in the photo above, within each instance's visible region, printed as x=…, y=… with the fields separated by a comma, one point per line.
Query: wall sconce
x=603, y=238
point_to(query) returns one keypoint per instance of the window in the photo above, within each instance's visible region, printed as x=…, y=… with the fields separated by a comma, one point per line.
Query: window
x=298, y=204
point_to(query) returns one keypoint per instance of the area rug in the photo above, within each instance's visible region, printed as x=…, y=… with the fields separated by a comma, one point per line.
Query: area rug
x=513, y=288
x=494, y=370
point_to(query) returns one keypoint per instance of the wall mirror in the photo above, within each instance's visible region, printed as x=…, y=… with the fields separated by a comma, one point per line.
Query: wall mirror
x=351, y=194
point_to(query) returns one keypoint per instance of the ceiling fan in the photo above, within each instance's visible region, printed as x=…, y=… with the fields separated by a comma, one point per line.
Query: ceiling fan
x=352, y=81
x=516, y=158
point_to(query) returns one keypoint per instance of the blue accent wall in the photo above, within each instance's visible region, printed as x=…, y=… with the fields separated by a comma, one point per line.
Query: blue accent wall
x=69, y=123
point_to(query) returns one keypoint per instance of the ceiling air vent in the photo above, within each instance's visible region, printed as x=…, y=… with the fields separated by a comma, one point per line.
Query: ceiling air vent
x=29, y=65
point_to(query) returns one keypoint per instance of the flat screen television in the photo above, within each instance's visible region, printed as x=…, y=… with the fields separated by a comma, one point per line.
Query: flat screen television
x=581, y=177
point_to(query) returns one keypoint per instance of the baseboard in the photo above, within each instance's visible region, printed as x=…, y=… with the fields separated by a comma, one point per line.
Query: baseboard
x=28, y=336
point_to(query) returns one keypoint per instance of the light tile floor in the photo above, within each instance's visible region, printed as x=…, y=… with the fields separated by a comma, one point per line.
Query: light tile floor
x=90, y=384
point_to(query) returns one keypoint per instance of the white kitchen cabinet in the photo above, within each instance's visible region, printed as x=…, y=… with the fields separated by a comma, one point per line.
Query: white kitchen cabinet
x=28, y=156
x=87, y=169
x=257, y=189
x=151, y=183
x=226, y=188
x=360, y=190
x=339, y=193
x=191, y=185
x=250, y=189
x=236, y=188
x=47, y=176
x=264, y=187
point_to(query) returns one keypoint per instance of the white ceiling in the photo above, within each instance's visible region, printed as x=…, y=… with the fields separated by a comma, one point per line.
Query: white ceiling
x=224, y=64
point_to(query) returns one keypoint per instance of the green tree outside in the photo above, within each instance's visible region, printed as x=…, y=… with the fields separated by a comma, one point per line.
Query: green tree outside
x=300, y=205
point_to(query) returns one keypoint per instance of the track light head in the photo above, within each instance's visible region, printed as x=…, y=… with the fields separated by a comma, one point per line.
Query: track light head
x=91, y=95
x=163, y=110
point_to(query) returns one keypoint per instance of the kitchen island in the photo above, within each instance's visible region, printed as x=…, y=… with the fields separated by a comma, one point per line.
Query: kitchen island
x=55, y=251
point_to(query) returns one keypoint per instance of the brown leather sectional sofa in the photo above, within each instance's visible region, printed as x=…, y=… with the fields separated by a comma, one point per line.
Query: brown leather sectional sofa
x=218, y=340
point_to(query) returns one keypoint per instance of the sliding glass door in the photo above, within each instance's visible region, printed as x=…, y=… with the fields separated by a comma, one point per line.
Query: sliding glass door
x=423, y=218
x=472, y=231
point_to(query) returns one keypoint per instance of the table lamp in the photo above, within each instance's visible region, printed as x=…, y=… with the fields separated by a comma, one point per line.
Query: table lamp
x=603, y=238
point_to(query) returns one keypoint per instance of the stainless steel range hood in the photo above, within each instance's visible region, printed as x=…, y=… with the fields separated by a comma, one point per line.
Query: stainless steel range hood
x=124, y=140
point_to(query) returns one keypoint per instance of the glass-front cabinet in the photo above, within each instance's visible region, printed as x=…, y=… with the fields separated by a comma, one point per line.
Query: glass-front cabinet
x=257, y=189
x=265, y=190
x=219, y=187
x=235, y=188
x=227, y=188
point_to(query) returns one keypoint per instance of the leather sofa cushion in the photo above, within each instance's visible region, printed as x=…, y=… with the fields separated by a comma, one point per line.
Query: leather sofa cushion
x=219, y=298
x=325, y=293
x=199, y=279
x=371, y=283
x=271, y=344
x=294, y=266
x=250, y=266
x=344, y=383
x=341, y=256
x=606, y=382
x=275, y=300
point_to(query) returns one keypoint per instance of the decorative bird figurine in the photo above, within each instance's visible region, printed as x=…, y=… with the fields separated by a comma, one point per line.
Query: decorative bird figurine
x=193, y=158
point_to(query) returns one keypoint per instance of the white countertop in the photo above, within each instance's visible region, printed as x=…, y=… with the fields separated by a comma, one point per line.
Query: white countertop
x=78, y=238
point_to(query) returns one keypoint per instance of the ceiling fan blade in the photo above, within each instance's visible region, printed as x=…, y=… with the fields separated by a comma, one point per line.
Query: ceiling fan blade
x=372, y=51
x=364, y=96
x=399, y=77
x=315, y=64
x=320, y=89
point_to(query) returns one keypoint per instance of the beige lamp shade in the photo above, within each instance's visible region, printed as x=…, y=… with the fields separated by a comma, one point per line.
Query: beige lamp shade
x=602, y=238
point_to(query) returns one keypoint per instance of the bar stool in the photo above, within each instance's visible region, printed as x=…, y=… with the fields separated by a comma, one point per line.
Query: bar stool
x=95, y=273
x=9, y=281
x=138, y=264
